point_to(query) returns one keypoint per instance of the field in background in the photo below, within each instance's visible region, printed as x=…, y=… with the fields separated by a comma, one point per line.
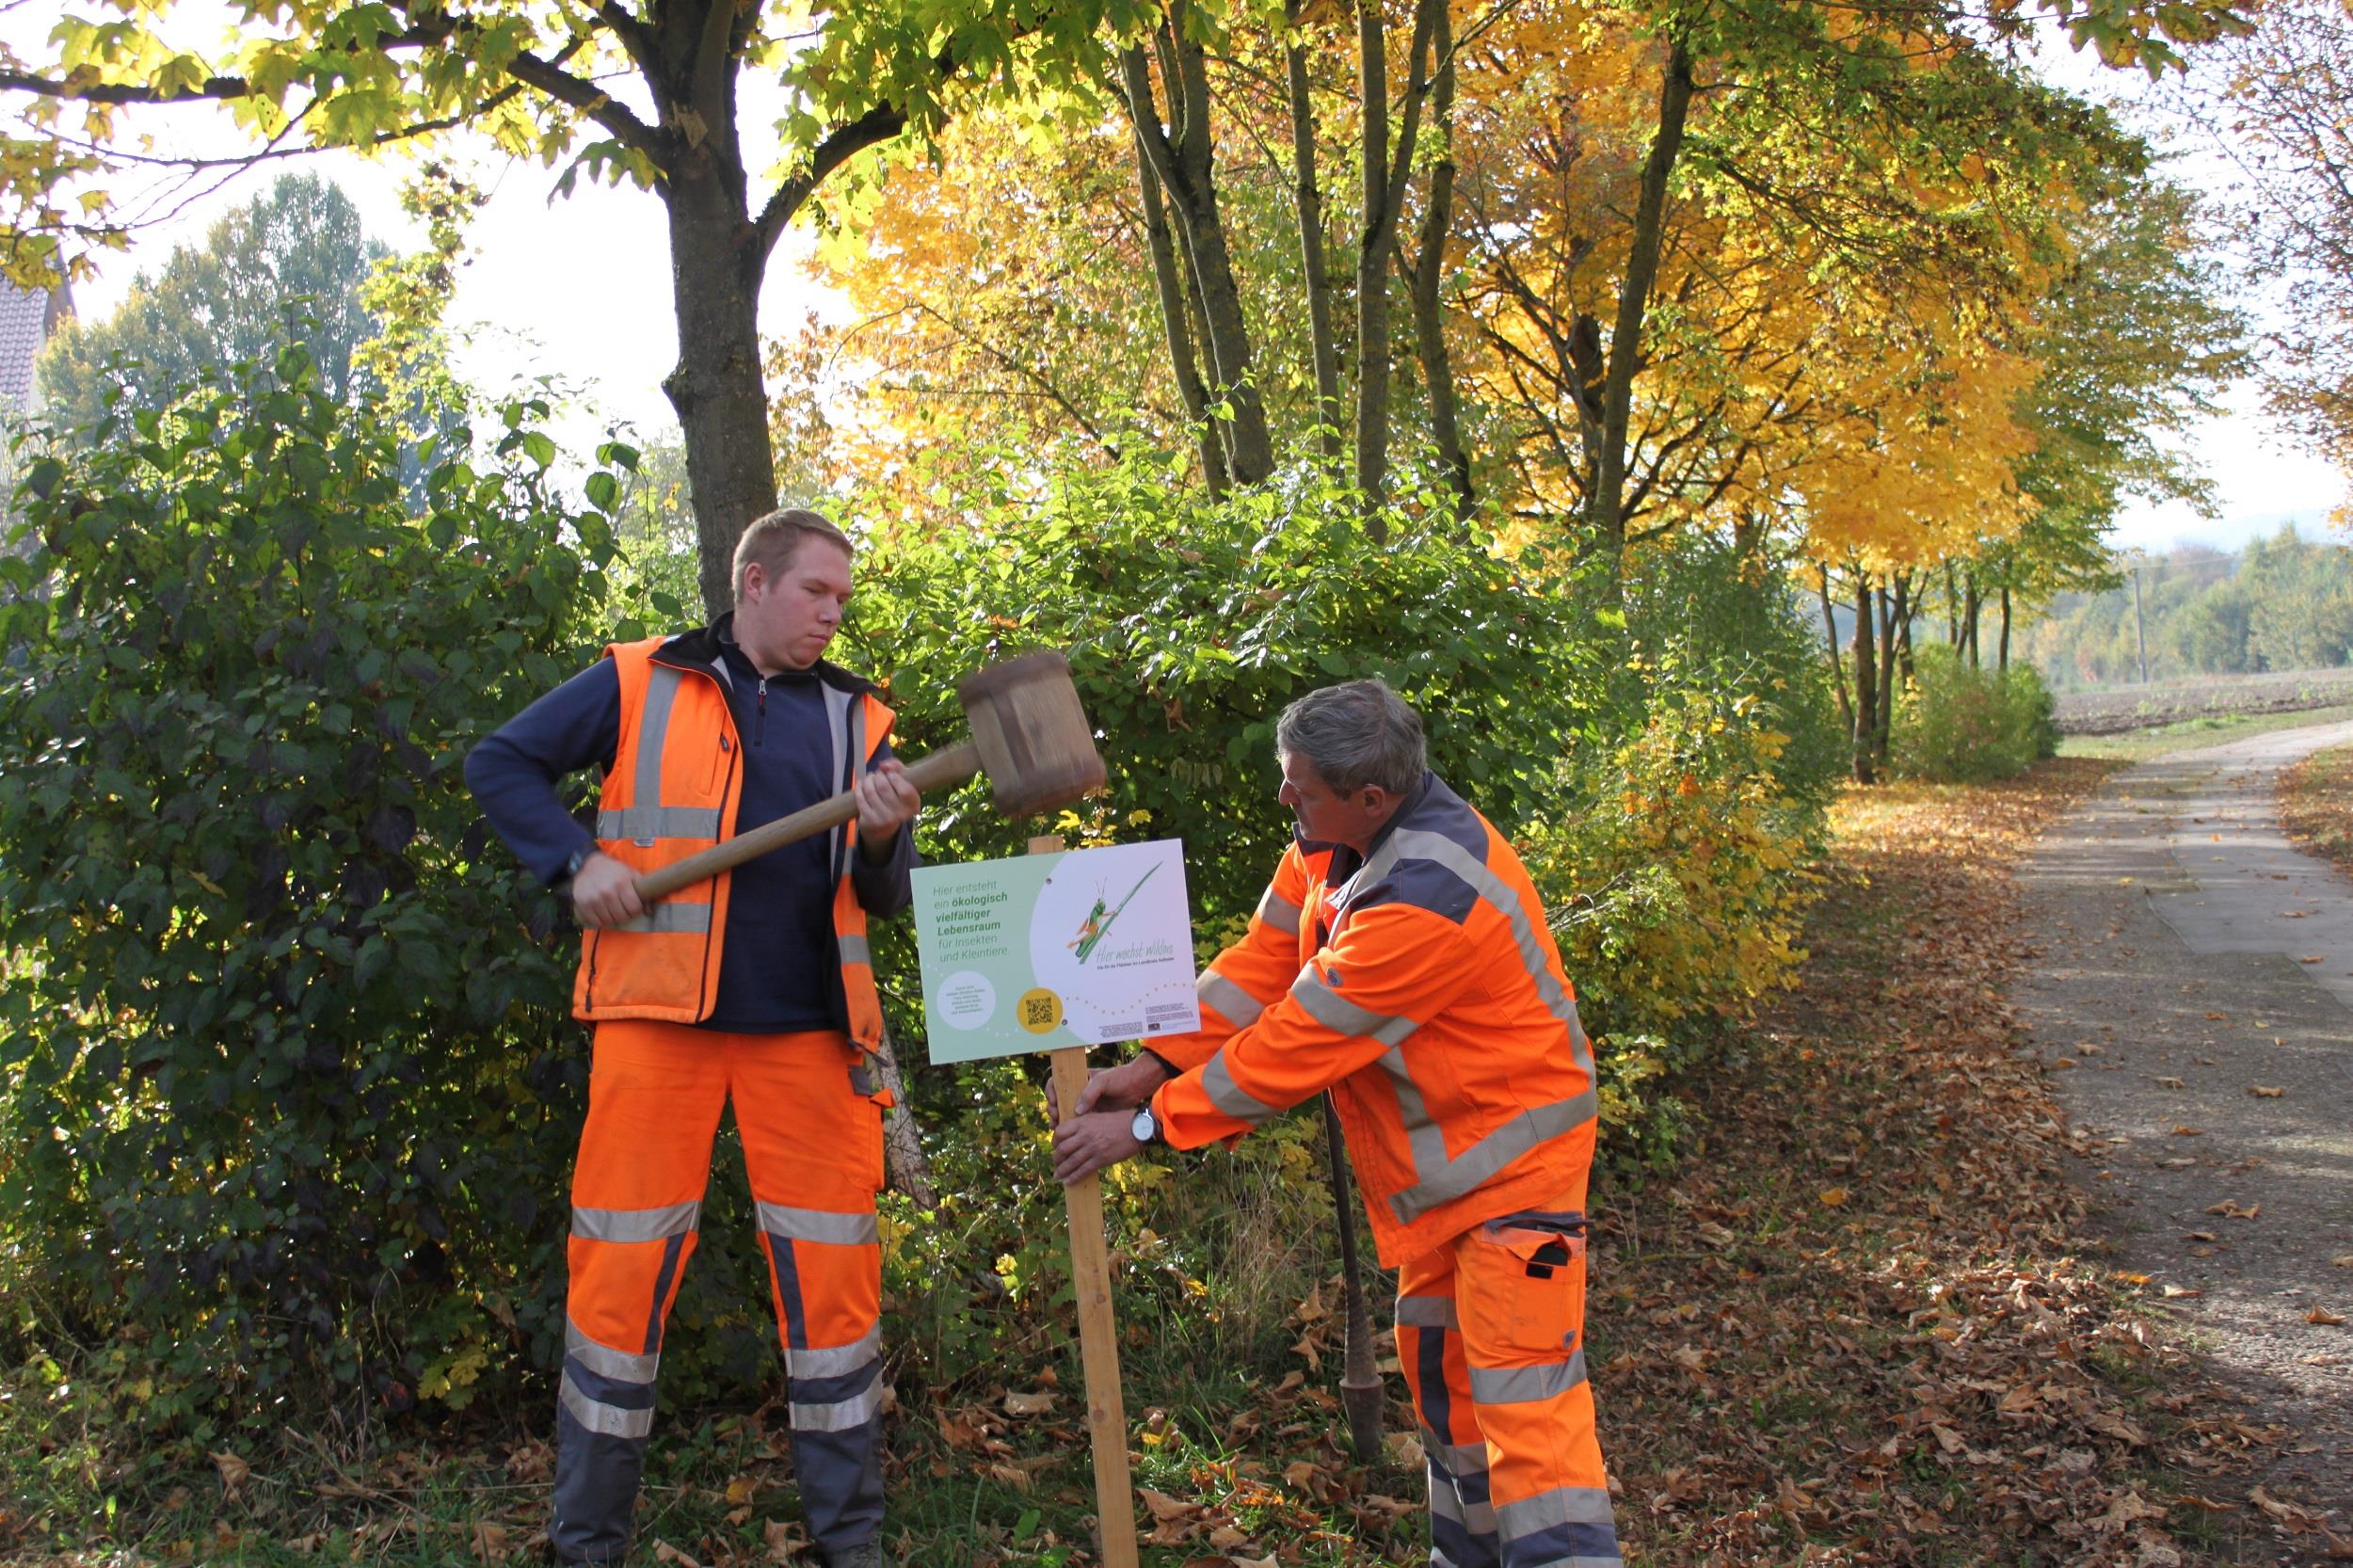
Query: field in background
x=2121, y=709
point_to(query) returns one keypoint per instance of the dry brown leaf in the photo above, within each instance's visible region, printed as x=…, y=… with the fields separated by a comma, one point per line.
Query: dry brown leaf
x=2344, y=1262
x=2179, y=1131
x=1165, y=1508
x=2265, y=1090
x=665, y=1553
x=234, y=1472
x=2322, y=1315
x=1714, y=1234
x=1019, y=1403
x=1833, y=1197
x=487, y=1541
x=2170, y=1083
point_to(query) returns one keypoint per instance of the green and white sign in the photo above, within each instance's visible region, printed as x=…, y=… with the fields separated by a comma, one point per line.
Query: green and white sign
x=1048, y=951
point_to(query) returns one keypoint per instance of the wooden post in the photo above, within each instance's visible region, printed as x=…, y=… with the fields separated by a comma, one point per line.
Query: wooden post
x=1098, y=1344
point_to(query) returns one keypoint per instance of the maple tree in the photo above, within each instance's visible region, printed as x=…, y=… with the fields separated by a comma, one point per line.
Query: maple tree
x=654, y=94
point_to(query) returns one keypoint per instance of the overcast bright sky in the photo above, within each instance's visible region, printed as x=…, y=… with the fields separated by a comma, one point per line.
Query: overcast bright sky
x=577, y=288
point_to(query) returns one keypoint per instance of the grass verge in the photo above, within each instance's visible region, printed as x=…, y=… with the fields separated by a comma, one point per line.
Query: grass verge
x=2316, y=804
x=1860, y=1324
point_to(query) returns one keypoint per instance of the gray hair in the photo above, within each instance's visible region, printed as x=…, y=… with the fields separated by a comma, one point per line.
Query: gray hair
x=1357, y=733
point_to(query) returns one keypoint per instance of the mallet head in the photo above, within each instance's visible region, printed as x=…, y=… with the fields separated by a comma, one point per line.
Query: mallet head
x=1034, y=738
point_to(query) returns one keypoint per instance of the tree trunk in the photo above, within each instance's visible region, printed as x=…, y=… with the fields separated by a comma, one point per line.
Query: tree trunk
x=2004, y=664
x=1837, y=664
x=1312, y=267
x=1183, y=156
x=1641, y=271
x=1426, y=278
x=1952, y=608
x=1971, y=602
x=1885, y=702
x=717, y=387
x=1905, y=612
x=1177, y=320
x=904, y=1162
x=1867, y=723
x=1384, y=197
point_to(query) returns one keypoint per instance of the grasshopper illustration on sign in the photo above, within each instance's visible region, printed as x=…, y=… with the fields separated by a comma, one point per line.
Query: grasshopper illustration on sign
x=1099, y=924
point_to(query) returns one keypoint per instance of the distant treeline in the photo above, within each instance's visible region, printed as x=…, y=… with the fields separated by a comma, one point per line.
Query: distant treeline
x=2283, y=603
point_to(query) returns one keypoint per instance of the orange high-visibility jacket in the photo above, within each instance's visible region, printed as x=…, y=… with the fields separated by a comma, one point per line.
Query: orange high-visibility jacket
x=1423, y=989
x=676, y=780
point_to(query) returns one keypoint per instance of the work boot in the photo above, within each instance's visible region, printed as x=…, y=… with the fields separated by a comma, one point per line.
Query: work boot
x=866, y=1554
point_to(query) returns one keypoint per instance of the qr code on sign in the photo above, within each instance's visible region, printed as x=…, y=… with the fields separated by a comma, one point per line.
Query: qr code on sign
x=1037, y=1010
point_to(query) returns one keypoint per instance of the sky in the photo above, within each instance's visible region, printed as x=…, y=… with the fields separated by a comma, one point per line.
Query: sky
x=578, y=289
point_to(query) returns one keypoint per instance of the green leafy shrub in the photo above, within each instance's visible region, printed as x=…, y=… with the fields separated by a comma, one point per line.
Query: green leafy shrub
x=289, y=1086
x=1676, y=887
x=1962, y=726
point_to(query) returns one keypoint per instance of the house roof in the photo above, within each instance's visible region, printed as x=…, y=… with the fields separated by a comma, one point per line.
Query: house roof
x=27, y=317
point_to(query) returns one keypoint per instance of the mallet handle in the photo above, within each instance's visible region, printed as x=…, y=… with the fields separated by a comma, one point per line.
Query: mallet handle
x=941, y=770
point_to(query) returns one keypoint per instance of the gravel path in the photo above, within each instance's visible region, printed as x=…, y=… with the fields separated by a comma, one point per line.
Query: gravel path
x=2194, y=994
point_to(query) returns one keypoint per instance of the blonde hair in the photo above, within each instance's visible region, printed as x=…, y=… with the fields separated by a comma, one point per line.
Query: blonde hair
x=773, y=541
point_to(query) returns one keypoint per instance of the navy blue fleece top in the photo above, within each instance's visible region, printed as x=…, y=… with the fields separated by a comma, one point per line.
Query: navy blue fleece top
x=780, y=966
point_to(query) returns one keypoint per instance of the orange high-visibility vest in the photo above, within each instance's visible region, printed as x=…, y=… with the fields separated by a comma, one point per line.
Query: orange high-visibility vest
x=1423, y=989
x=676, y=781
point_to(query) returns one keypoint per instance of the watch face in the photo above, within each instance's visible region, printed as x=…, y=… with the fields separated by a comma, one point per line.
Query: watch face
x=1141, y=1128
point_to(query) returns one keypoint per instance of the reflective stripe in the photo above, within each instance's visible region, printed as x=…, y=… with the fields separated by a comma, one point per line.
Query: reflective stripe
x=648, y=823
x=1240, y=1007
x=1217, y=1082
x=654, y=734
x=1423, y=1136
x=636, y=1225
x=1563, y=1505
x=1427, y=1312
x=602, y=1419
x=603, y=1360
x=1525, y=1385
x=1477, y=1164
x=840, y=1416
x=1279, y=912
x=1421, y=844
x=670, y=917
x=845, y=725
x=1343, y=1016
x=1460, y=1461
x=836, y=1361
x=819, y=1224
x=1477, y=1517
x=855, y=951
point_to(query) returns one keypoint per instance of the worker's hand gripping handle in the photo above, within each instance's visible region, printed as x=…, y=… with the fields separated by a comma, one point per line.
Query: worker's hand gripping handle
x=941, y=770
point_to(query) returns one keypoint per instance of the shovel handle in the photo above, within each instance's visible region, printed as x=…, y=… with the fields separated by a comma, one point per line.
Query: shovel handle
x=941, y=770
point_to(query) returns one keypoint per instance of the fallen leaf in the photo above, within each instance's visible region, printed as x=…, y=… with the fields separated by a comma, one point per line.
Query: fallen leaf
x=1833, y=1196
x=1165, y=1508
x=234, y=1472
x=2263, y=1091
x=487, y=1541
x=2169, y=1083
x=2322, y=1315
x=665, y=1553
x=2179, y=1131
x=1714, y=1234
x=1017, y=1404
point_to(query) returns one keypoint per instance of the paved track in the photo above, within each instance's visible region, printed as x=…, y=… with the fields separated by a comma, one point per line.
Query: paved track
x=2189, y=956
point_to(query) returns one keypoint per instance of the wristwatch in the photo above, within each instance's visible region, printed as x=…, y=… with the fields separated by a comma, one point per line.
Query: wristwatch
x=579, y=857
x=1143, y=1127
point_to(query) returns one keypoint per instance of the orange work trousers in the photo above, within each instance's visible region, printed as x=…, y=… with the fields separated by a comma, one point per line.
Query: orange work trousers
x=813, y=1146
x=1491, y=1335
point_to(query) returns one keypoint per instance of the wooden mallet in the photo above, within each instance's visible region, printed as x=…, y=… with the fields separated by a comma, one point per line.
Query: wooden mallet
x=1030, y=735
